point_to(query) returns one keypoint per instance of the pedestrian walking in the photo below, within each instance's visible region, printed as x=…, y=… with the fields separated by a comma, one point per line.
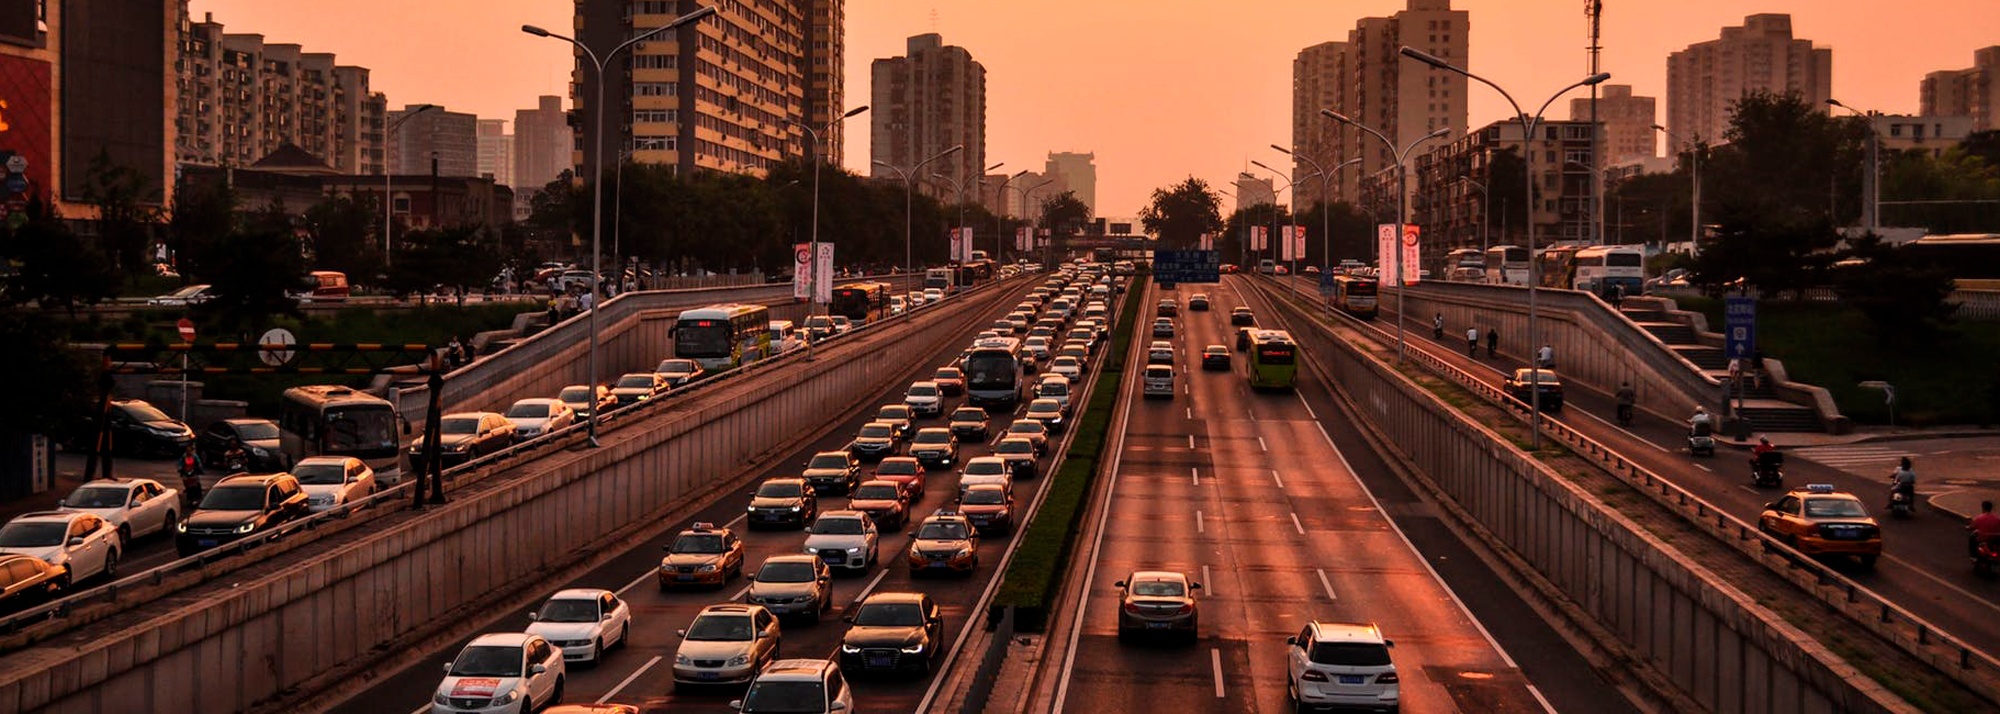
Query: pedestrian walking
x=1757, y=369
x=1492, y=341
x=585, y=300
x=1471, y=341
x=1735, y=371
x=1437, y=327
x=1545, y=357
x=1617, y=296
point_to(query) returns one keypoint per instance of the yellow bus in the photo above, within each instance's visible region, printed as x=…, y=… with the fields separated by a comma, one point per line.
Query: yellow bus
x=723, y=337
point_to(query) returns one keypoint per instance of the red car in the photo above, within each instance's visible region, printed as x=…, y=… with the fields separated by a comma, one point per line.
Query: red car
x=906, y=472
x=950, y=381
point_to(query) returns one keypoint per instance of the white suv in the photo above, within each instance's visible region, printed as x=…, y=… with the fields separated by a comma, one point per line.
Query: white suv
x=843, y=539
x=1340, y=664
x=924, y=399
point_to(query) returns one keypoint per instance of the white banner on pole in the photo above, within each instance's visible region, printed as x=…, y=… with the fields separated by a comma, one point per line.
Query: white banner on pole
x=823, y=277
x=1021, y=240
x=801, y=270
x=952, y=253
x=1298, y=242
x=1257, y=238
x=1412, y=257
x=1207, y=241
x=1385, y=255
x=965, y=244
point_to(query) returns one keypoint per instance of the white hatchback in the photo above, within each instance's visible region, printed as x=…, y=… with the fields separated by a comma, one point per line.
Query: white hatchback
x=1338, y=664
x=924, y=399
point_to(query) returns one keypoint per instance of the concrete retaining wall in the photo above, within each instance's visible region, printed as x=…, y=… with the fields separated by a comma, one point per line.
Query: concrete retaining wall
x=1715, y=644
x=272, y=635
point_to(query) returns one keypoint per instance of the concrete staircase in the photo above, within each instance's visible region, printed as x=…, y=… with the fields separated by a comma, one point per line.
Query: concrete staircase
x=1762, y=406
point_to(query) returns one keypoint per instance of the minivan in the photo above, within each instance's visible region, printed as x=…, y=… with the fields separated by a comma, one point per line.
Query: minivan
x=1159, y=381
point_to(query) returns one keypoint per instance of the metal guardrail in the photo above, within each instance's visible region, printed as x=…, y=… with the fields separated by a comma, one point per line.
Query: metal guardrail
x=459, y=476
x=1881, y=616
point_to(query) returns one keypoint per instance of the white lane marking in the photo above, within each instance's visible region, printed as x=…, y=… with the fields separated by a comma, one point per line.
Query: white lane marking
x=1615, y=427
x=622, y=684
x=1309, y=407
x=1195, y=471
x=1705, y=467
x=1207, y=581
x=1199, y=526
x=1296, y=525
x=1215, y=658
x=739, y=594
x=1190, y=442
x=652, y=573
x=1277, y=478
x=1747, y=488
x=1253, y=413
x=1190, y=412
x=1262, y=445
x=1328, y=584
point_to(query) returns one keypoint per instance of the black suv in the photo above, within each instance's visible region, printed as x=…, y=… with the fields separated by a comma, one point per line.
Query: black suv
x=241, y=507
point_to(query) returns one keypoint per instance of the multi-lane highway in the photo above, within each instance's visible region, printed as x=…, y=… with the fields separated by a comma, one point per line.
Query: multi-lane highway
x=641, y=673
x=1272, y=503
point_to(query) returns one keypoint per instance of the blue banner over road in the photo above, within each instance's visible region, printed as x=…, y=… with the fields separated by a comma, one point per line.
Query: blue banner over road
x=1187, y=266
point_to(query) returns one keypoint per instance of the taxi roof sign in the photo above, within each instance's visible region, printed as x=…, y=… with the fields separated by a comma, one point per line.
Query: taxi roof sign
x=703, y=526
x=1820, y=488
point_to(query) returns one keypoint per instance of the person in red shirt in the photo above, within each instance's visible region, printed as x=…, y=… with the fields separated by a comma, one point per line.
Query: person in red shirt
x=1984, y=527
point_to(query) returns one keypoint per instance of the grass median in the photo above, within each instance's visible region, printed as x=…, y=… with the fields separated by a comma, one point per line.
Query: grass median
x=1041, y=556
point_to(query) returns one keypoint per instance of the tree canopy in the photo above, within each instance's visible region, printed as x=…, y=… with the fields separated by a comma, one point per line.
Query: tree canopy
x=1179, y=214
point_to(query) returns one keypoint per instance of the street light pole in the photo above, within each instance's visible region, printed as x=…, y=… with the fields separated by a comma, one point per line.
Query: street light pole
x=618, y=214
x=1874, y=190
x=1325, y=212
x=812, y=246
x=1028, y=214
x=1694, y=204
x=597, y=160
x=909, y=198
x=1402, y=203
x=1291, y=184
x=1000, y=216
x=1528, y=175
x=388, y=172
x=958, y=191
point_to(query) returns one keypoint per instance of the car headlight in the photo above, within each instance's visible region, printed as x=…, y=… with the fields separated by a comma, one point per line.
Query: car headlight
x=739, y=660
x=708, y=568
x=440, y=698
x=507, y=698
x=913, y=649
x=751, y=509
x=849, y=649
x=259, y=451
x=796, y=509
x=965, y=550
x=457, y=447
x=246, y=528
x=163, y=431
x=682, y=659
x=855, y=550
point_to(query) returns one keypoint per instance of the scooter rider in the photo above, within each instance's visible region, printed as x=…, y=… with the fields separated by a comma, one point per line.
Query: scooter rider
x=1985, y=527
x=1700, y=419
x=1627, y=397
x=1437, y=327
x=1904, y=480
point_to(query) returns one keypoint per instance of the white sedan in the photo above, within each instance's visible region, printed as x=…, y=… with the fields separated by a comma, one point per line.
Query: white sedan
x=585, y=623
x=924, y=399
x=1068, y=367
x=501, y=672
x=843, y=539
x=137, y=507
x=333, y=481
x=537, y=416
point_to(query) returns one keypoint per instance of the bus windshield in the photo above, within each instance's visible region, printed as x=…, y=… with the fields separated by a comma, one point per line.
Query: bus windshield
x=702, y=340
x=990, y=369
x=356, y=431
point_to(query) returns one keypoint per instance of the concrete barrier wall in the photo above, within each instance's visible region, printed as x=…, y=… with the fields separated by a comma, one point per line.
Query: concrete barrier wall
x=274, y=635
x=1715, y=644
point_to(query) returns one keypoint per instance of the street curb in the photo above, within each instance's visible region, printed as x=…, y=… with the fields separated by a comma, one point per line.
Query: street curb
x=1870, y=438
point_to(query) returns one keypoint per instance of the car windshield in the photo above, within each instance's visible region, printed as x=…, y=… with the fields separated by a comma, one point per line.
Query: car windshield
x=1350, y=654
x=529, y=410
x=877, y=431
x=985, y=497
x=459, y=425
x=1065, y=361
x=828, y=461
x=1158, y=588
x=320, y=474
x=968, y=415
x=1026, y=427
x=785, y=697
x=941, y=531
x=677, y=365
x=1054, y=389
x=838, y=526
x=143, y=412
x=1014, y=446
x=897, y=468
x=890, y=614
x=33, y=535
x=487, y=662
x=257, y=431
x=234, y=498
x=699, y=543
x=786, y=572
x=568, y=610
x=817, y=321
x=983, y=467
x=779, y=489
x=897, y=413
x=644, y=381
x=878, y=492
x=97, y=497
x=576, y=395
x=923, y=390
x=1834, y=508
x=948, y=373
x=933, y=437
x=721, y=628
x=1216, y=350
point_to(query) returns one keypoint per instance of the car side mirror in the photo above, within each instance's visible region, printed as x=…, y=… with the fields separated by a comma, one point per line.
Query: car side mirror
x=837, y=706
x=62, y=503
x=680, y=633
x=1194, y=586
x=847, y=619
x=534, y=617
x=738, y=703
x=1388, y=643
x=76, y=541
x=1293, y=640
x=447, y=669
x=539, y=669
x=604, y=616
x=1118, y=584
x=1770, y=506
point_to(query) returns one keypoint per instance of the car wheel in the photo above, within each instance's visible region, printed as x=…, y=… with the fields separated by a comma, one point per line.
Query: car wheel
x=1868, y=562
x=597, y=652
x=527, y=705
x=111, y=565
x=172, y=520
x=555, y=697
x=124, y=532
x=624, y=635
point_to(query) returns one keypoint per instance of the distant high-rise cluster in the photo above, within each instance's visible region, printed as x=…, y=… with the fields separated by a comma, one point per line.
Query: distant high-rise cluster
x=1705, y=80
x=496, y=151
x=433, y=141
x=1628, y=122
x=241, y=99
x=925, y=102
x=1078, y=172
x=1971, y=92
x=543, y=144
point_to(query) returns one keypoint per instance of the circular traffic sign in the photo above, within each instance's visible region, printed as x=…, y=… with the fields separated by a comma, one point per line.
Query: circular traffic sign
x=276, y=357
x=186, y=327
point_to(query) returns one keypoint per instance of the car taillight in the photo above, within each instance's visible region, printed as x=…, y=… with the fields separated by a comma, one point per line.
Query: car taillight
x=1312, y=676
x=1132, y=608
x=1387, y=678
x=1185, y=609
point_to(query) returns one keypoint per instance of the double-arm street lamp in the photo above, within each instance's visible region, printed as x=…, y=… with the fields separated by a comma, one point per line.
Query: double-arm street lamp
x=1000, y=216
x=1028, y=212
x=1874, y=191
x=1291, y=184
x=1325, y=212
x=597, y=160
x=910, y=197
x=388, y=172
x=1694, y=203
x=1402, y=202
x=958, y=192
x=812, y=247
x=1528, y=125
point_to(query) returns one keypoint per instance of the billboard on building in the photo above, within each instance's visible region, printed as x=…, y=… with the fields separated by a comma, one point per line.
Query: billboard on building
x=26, y=129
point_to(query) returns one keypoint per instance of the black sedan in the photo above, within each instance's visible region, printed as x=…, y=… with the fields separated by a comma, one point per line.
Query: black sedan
x=259, y=438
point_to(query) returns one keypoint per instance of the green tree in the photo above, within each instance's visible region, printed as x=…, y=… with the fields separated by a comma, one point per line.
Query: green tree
x=1906, y=301
x=1983, y=144
x=1178, y=215
x=1353, y=233
x=1064, y=214
x=254, y=270
x=1236, y=239
x=1953, y=176
x=203, y=215
x=54, y=267
x=1788, y=175
x=124, y=220
x=341, y=232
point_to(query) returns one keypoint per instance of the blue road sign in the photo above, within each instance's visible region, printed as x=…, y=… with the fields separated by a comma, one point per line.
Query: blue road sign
x=1739, y=327
x=1187, y=266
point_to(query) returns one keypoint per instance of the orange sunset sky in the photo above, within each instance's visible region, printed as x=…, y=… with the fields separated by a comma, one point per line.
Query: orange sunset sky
x=1159, y=89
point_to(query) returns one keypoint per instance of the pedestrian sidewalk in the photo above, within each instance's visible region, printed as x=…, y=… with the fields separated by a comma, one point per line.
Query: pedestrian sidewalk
x=1799, y=440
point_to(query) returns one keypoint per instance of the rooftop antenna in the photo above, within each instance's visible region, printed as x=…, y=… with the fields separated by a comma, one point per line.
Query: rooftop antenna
x=934, y=19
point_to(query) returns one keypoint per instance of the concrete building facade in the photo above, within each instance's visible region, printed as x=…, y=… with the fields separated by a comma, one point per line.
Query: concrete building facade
x=1079, y=174
x=447, y=137
x=1931, y=135
x=1705, y=80
x=925, y=102
x=1254, y=190
x=826, y=91
x=241, y=98
x=1628, y=122
x=544, y=144
x=496, y=151
x=1971, y=92
x=1452, y=210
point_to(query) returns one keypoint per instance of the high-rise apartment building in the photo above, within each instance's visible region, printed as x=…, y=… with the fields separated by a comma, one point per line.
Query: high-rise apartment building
x=1367, y=80
x=1628, y=122
x=1705, y=80
x=927, y=101
x=543, y=144
x=715, y=95
x=418, y=138
x=1972, y=92
x=1078, y=172
x=825, y=90
x=496, y=151
x=240, y=99
x=1254, y=190
x=1454, y=213
x=115, y=91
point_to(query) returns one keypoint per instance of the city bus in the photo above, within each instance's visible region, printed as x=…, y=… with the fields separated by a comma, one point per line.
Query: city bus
x=974, y=272
x=723, y=337
x=1507, y=265
x=1274, y=360
x=1355, y=295
x=1606, y=268
x=1455, y=261
x=335, y=420
x=994, y=373
x=864, y=303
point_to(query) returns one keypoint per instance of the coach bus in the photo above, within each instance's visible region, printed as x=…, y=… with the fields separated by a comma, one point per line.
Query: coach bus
x=864, y=303
x=1274, y=360
x=994, y=373
x=334, y=420
x=1594, y=269
x=1356, y=295
x=722, y=337
x=1507, y=265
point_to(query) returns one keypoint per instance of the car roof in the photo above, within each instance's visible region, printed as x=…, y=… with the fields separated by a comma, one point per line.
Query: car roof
x=830, y=452
x=579, y=594
x=877, y=482
x=500, y=639
x=247, y=420
x=124, y=481
x=1044, y=402
x=894, y=597
x=47, y=516
x=475, y=415
x=1346, y=632
x=985, y=487
x=985, y=459
x=782, y=479
x=729, y=608
x=324, y=460
x=1157, y=575
x=259, y=479
x=795, y=670
x=792, y=558
x=841, y=514
x=551, y=401
x=930, y=430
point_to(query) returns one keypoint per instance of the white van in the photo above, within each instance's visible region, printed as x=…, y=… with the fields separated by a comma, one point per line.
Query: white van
x=785, y=336
x=1159, y=381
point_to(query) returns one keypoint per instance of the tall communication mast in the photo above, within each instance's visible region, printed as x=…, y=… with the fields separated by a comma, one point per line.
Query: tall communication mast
x=1593, y=10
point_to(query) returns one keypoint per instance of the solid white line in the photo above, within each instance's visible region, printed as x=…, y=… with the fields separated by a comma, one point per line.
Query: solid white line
x=1207, y=581
x=1199, y=526
x=1195, y=471
x=1546, y=706
x=1277, y=478
x=1328, y=584
x=1262, y=445
x=1309, y=407
x=1705, y=467
x=1215, y=658
x=1296, y=525
x=739, y=594
x=628, y=680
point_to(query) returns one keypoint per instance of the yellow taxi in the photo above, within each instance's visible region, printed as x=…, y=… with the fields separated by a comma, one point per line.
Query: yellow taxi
x=1822, y=520
x=703, y=555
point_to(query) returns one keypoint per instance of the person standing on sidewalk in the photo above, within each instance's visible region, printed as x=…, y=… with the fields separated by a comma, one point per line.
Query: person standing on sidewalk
x=1437, y=327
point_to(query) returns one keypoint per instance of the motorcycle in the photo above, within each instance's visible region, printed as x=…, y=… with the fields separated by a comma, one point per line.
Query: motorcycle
x=1985, y=555
x=190, y=471
x=1768, y=470
x=1701, y=439
x=1902, y=502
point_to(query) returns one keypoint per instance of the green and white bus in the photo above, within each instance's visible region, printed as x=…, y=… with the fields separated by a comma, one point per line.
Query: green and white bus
x=723, y=337
x=1274, y=360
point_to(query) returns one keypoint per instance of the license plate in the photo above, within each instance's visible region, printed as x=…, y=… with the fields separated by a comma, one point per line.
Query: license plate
x=1156, y=625
x=205, y=543
x=1351, y=679
x=879, y=661
x=684, y=577
x=937, y=564
x=713, y=675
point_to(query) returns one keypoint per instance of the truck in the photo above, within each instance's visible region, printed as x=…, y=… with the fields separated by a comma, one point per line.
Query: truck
x=944, y=279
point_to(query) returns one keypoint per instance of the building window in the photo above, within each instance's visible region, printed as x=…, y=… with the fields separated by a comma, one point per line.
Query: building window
x=655, y=116
x=655, y=89
x=654, y=143
x=655, y=61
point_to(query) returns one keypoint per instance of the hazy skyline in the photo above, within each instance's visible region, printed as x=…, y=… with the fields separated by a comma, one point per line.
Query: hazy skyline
x=1160, y=90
